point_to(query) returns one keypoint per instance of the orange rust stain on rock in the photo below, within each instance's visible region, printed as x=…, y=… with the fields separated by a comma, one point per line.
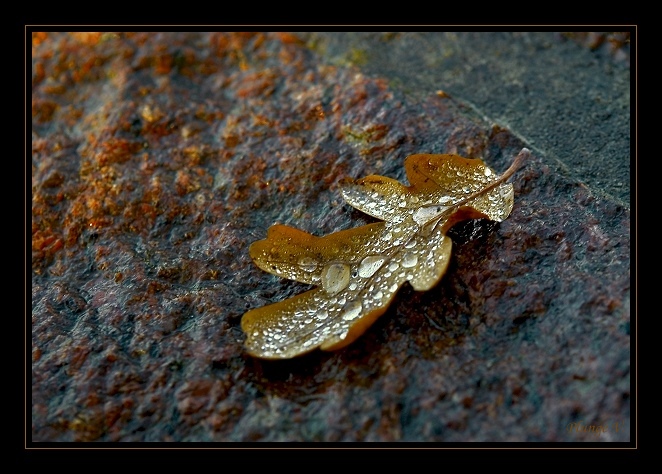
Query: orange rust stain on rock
x=39, y=73
x=289, y=38
x=186, y=182
x=78, y=357
x=237, y=46
x=38, y=38
x=259, y=83
x=54, y=89
x=201, y=113
x=45, y=244
x=116, y=150
x=99, y=222
x=88, y=38
x=260, y=119
x=43, y=109
x=316, y=113
x=231, y=141
x=163, y=63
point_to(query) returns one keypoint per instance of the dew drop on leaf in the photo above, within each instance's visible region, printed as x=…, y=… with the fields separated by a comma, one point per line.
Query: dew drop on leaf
x=352, y=310
x=335, y=277
x=370, y=265
x=307, y=264
x=409, y=259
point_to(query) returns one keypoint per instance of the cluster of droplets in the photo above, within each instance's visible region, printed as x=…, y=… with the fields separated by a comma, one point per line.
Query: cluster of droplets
x=348, y=292
x=409, y=246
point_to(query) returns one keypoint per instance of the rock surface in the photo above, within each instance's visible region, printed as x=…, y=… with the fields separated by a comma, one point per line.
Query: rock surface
x=157, y=158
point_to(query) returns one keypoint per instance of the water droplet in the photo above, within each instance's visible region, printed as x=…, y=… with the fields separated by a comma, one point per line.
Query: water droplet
x=386, y=237
x=393, y=266
x=427, y=213
x=352, y=310
x=409, y=259
x=335, y=277
x=322, y=315
x=411, y=244
x=307, y=264
x=370, y=265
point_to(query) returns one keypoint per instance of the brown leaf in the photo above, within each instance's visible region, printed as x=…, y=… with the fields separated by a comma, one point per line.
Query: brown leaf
x=358, y=271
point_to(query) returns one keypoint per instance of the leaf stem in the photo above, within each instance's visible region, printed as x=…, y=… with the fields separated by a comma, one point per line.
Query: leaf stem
x=521, y=156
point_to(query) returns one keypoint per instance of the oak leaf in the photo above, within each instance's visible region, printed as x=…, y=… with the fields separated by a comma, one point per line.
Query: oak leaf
x=358, y=271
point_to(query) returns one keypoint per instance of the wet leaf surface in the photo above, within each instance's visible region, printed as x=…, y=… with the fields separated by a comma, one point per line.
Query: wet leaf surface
x=359, y=271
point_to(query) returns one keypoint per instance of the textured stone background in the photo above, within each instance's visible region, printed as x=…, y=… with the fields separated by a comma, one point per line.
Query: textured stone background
x=157, y=158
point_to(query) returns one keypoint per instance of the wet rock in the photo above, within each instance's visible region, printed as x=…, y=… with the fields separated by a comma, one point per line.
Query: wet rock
x=158, y=158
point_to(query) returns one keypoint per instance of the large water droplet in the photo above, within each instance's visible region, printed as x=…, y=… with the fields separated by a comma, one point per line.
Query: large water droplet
x=307, y=264
x=370, y=265
x=426, y=213
x=335, y=277
x=409, y=259
x=352, y=310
